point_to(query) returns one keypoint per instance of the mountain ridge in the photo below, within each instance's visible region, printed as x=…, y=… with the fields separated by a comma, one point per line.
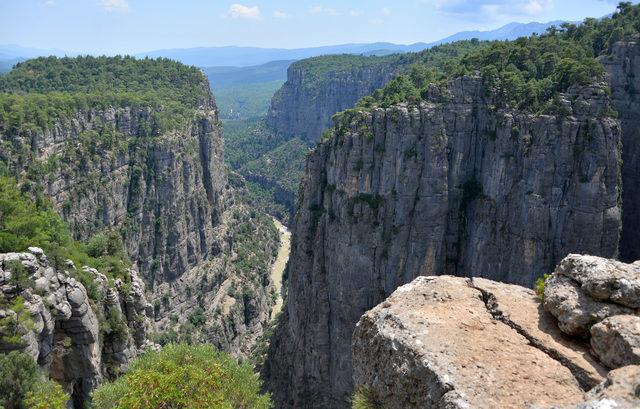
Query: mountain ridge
x=240, y=56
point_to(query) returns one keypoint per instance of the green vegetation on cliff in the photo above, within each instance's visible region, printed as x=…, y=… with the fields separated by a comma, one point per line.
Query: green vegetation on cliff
x=39, y=92
x=183, y=376
x=22, y=386
x=27, y=220
x=528, y=73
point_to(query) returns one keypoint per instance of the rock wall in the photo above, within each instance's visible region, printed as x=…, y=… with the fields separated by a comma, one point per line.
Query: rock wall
x=112, y=169
x=623, y=67
x=77, y=340
x=303, y=107
x=166, y=193
x=455, y=186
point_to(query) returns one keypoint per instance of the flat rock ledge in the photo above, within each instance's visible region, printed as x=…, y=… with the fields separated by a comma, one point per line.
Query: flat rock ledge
x=460, y=343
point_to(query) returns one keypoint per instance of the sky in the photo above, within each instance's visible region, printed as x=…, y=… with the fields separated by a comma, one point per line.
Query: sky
x=130, y=26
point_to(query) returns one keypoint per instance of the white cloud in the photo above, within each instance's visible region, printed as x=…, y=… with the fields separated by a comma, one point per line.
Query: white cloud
x=50, y=3
x=385, y=11
x=115, y=5
x=280, y=14
x=377, y=21
x=324, y=10
x=355, y=13
x=491, y=8
x=238, y=11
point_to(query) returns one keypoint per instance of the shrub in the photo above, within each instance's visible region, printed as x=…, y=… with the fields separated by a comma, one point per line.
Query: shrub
x=14, y=326
x=22, y=386
x=363, y=399
x=184, y=376
x=47, y=394
x=18, y=374
x=540, y=283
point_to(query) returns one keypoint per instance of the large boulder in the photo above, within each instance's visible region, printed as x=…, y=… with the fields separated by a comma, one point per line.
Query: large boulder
x=621, y=390
x=468, y=343
x=585, y=290
x=616, y=340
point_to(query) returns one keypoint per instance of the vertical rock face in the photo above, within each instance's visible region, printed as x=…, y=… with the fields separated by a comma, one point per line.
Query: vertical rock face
x=165, y=192
x=77, y=340
x=303, y=107
x=623, y=67
x=453, y=186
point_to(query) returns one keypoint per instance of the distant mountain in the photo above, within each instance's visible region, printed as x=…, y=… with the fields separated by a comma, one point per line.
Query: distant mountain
x=510, y=31
x=15, y=52
x=228, y=60
x=249, y=56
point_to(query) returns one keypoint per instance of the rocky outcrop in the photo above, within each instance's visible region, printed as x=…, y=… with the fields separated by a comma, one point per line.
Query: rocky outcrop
x=76, y=340
x=303, y=107
x=164, y=191
x=623, y=67
x=450, y=342
x=454, y=186
x=621, y=388
x=585, y=290
x=616, y=340
x=465, y=343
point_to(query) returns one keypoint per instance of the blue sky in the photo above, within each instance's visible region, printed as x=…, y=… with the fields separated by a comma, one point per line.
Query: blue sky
x=127, y=26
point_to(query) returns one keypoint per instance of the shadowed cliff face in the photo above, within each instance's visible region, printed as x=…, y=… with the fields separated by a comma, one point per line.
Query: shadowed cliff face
x=110, y=169
x=455, y=186
x=623, y=67
x=302, y=109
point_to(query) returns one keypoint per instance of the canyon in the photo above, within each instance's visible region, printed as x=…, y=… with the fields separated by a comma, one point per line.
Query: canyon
x=451, y=186
x=437, y=195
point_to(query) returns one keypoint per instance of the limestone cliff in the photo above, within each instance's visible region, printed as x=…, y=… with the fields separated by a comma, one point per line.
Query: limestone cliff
x=303, y=107
x=623, y=67
x=76, y=340
x=110, y=169
x=453, y=186
x=150, y=168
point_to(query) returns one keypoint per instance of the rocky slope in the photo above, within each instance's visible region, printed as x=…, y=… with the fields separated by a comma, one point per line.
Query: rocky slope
x=303, y=107
x=454, y=186
x=164, y=192
x=149, y=167
x=458, y=343
x=623, y=67
x=76, y=340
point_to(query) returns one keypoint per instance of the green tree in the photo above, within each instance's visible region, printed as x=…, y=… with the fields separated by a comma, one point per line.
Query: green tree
x=18, y=375
x=184, y=376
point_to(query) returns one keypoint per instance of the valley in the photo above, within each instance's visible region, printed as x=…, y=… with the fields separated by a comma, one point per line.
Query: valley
x=449, y=224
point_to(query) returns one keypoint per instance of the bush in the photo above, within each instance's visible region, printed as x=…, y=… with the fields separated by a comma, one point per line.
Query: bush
x=363, y=399
x=14, y=326
x=184, y=376
x=22, y=386
x=18, y=374
x=47, y=394
x=540, y=284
